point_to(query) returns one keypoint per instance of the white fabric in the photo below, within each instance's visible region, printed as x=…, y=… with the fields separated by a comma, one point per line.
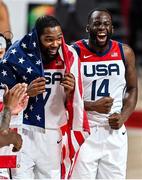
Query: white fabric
x=55, y=112
x=116, y=85
x=40, y=156
x=103, y=155
x=4, y=173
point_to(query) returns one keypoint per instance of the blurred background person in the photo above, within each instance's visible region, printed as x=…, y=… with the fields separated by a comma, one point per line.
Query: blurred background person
x=4, y=18
x=2, y=46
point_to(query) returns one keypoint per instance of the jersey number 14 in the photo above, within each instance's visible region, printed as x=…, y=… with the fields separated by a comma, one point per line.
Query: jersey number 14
x=102, y=90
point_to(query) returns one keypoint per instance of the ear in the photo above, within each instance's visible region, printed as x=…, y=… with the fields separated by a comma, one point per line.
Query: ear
x=87, y=28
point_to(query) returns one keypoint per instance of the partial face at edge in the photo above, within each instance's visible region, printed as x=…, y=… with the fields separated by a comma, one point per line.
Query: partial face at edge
x=51, y=40
x=2, y=46
x=100, y=28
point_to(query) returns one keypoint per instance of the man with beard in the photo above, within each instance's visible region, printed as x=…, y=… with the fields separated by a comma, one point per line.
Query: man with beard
x=110, y=95
x=50, y=68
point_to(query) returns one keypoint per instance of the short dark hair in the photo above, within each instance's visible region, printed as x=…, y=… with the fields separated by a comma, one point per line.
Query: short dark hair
x=45, y=21
x=98, y=9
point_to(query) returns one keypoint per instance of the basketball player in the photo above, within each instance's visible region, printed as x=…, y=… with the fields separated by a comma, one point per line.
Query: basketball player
x=35, y=59
x=110, y=95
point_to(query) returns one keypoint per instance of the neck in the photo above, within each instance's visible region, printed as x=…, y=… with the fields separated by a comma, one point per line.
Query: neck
x=46, y=59
x=97, y=48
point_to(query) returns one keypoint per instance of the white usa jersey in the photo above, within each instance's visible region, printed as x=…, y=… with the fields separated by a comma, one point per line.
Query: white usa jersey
x=103, y=75
x=54, y=97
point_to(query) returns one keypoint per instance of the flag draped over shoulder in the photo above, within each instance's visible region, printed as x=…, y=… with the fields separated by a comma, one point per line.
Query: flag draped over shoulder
x=23, y=63
x=77, y=129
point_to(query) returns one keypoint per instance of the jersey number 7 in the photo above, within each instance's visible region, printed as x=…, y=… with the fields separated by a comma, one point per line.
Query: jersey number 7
x=48, y=92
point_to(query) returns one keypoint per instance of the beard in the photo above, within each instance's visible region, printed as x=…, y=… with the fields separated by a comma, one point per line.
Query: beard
x=47, y=57
x=95, y=42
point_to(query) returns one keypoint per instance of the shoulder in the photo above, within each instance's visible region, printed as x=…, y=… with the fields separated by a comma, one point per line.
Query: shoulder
x=71, y=49
x=78, y=45
x=127, y=49
x=129, y=54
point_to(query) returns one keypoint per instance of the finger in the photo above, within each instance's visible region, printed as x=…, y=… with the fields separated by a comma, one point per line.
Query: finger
x=108, y=105
x=67, y=78
x=24, y=85
x=41, y=91
x=17, y=95
x=67, y=83
x=19, y=91
x=38, y=85
x=39, y=79
x=36, y=89
x=5, y=89
x=68, y=87
x=15, y=87
x=69, y=75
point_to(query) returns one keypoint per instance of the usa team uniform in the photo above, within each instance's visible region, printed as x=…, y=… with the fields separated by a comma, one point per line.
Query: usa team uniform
x=104, y=153
x=40, y=156
x=46, y=145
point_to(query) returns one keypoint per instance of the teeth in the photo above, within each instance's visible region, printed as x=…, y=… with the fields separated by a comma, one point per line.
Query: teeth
x=101, y=34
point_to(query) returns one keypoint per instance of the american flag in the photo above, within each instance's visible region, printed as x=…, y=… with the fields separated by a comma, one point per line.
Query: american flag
x=23, y=63
x=77, y=129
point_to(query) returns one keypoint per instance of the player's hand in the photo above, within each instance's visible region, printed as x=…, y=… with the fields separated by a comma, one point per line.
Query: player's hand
x=37, y=86
x=115, y=121
x=16, y=98
x=8, y=137
x=17, y=142
x=103, y=105
x=21, y=106
x=68, y=82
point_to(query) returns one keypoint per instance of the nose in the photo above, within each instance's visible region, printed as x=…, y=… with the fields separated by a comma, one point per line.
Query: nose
x=55, y=44
x=102, y=26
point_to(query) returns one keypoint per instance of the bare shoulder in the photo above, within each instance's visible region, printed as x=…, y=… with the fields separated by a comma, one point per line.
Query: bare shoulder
x=127, y=49
x=128, y=53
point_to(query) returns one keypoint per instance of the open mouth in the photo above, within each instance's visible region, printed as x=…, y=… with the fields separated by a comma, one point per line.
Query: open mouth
x=53, y=51
x=101, y=37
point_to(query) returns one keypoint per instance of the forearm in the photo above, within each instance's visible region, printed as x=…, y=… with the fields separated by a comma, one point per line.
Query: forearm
x=129, y=103
x=89, y=106
x=6, y=117
x=4, y=140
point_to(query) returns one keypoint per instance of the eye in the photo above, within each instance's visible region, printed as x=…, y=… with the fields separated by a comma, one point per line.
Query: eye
x=60, y=38
x=48, y=40
x=97, y=23
x=107, y=23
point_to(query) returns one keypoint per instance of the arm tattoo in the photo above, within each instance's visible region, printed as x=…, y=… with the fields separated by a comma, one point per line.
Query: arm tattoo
x=6, y=117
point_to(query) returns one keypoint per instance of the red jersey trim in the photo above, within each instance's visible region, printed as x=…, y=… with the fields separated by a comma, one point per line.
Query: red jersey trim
x=114, y=54
x=58, y=63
